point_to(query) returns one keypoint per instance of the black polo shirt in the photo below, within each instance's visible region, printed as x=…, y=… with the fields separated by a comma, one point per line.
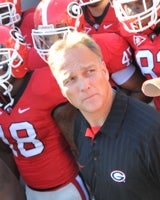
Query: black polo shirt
x=123, y=160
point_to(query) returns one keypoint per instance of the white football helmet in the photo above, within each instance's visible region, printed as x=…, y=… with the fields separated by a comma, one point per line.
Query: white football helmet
x=137, y=15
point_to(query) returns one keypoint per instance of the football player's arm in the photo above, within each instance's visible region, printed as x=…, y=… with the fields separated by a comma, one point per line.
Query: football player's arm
x=130, y=81
x=7, y=156
x=65, y=115
x=10, y=188
x=118, y=57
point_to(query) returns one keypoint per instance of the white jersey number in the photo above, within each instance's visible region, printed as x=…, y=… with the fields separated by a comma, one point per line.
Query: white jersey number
x=34, y=145
x=149, y=57
x=126, y=60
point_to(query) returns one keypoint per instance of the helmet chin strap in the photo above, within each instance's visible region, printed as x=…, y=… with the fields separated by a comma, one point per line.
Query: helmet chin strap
x=6, y=101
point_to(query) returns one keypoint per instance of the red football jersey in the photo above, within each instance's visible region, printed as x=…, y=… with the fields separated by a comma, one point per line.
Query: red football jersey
x=108, y=22
x=34, y=60
x=27, y=24
x=40, y=151
x=147, y=54
x=116, y=52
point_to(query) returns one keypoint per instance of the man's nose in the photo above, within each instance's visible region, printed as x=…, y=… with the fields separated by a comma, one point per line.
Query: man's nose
x=84, y=84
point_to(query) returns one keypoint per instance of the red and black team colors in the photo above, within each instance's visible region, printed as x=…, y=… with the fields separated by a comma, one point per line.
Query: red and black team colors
x=28, y=99
x=118, y=137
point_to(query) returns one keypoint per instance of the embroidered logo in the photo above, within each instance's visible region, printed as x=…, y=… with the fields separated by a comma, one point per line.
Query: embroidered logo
x=138, y=40
x=107, y=26
x=118, y=176
x=23, y=110
x=87, y=30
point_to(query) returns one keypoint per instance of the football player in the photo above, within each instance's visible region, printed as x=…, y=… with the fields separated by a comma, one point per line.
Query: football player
x=118, y=59
x=27, y=103
x=51, y=26
x=11, y=14
x=52, y=20
x=141, y=28
x=99, y=17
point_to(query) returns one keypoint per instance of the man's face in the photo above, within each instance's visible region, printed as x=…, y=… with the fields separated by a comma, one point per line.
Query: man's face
x=46, y=38
x=83, y=78
x=137, y=6
x=138, y=12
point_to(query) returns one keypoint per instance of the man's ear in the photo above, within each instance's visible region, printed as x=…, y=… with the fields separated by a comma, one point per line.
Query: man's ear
x=104, y=68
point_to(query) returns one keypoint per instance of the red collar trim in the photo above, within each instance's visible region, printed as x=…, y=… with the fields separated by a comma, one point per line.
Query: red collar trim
x=91, y=132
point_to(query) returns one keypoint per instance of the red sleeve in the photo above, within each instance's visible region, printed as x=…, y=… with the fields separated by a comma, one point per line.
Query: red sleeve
x=45, y=86
x=34, y=60
x=27, y=25
x=115, y=50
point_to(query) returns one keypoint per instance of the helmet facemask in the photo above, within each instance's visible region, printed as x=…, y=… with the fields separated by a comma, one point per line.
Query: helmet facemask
x=137, y=16
x=8, y=15
x=88, y=2
x=44, y=36
x=53, y=20
x=9, y=58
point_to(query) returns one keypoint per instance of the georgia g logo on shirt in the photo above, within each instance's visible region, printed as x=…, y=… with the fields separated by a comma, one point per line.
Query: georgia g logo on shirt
x=118, y=176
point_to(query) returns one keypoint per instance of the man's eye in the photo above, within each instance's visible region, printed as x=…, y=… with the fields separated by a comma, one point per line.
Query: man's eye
x=70, y=80
x=4, y=67
x=90, y=71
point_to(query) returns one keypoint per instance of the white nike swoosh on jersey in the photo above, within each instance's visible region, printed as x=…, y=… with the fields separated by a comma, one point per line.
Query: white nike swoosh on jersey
x=23, y=110
x=107, y=26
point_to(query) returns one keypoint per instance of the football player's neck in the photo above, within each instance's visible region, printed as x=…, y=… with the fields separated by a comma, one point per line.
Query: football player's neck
x=156, y=29
x=157, y=26
x=97, y=10
x=17, y=83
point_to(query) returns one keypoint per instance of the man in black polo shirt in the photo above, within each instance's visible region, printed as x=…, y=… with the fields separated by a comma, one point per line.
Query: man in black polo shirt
x=118, y=137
